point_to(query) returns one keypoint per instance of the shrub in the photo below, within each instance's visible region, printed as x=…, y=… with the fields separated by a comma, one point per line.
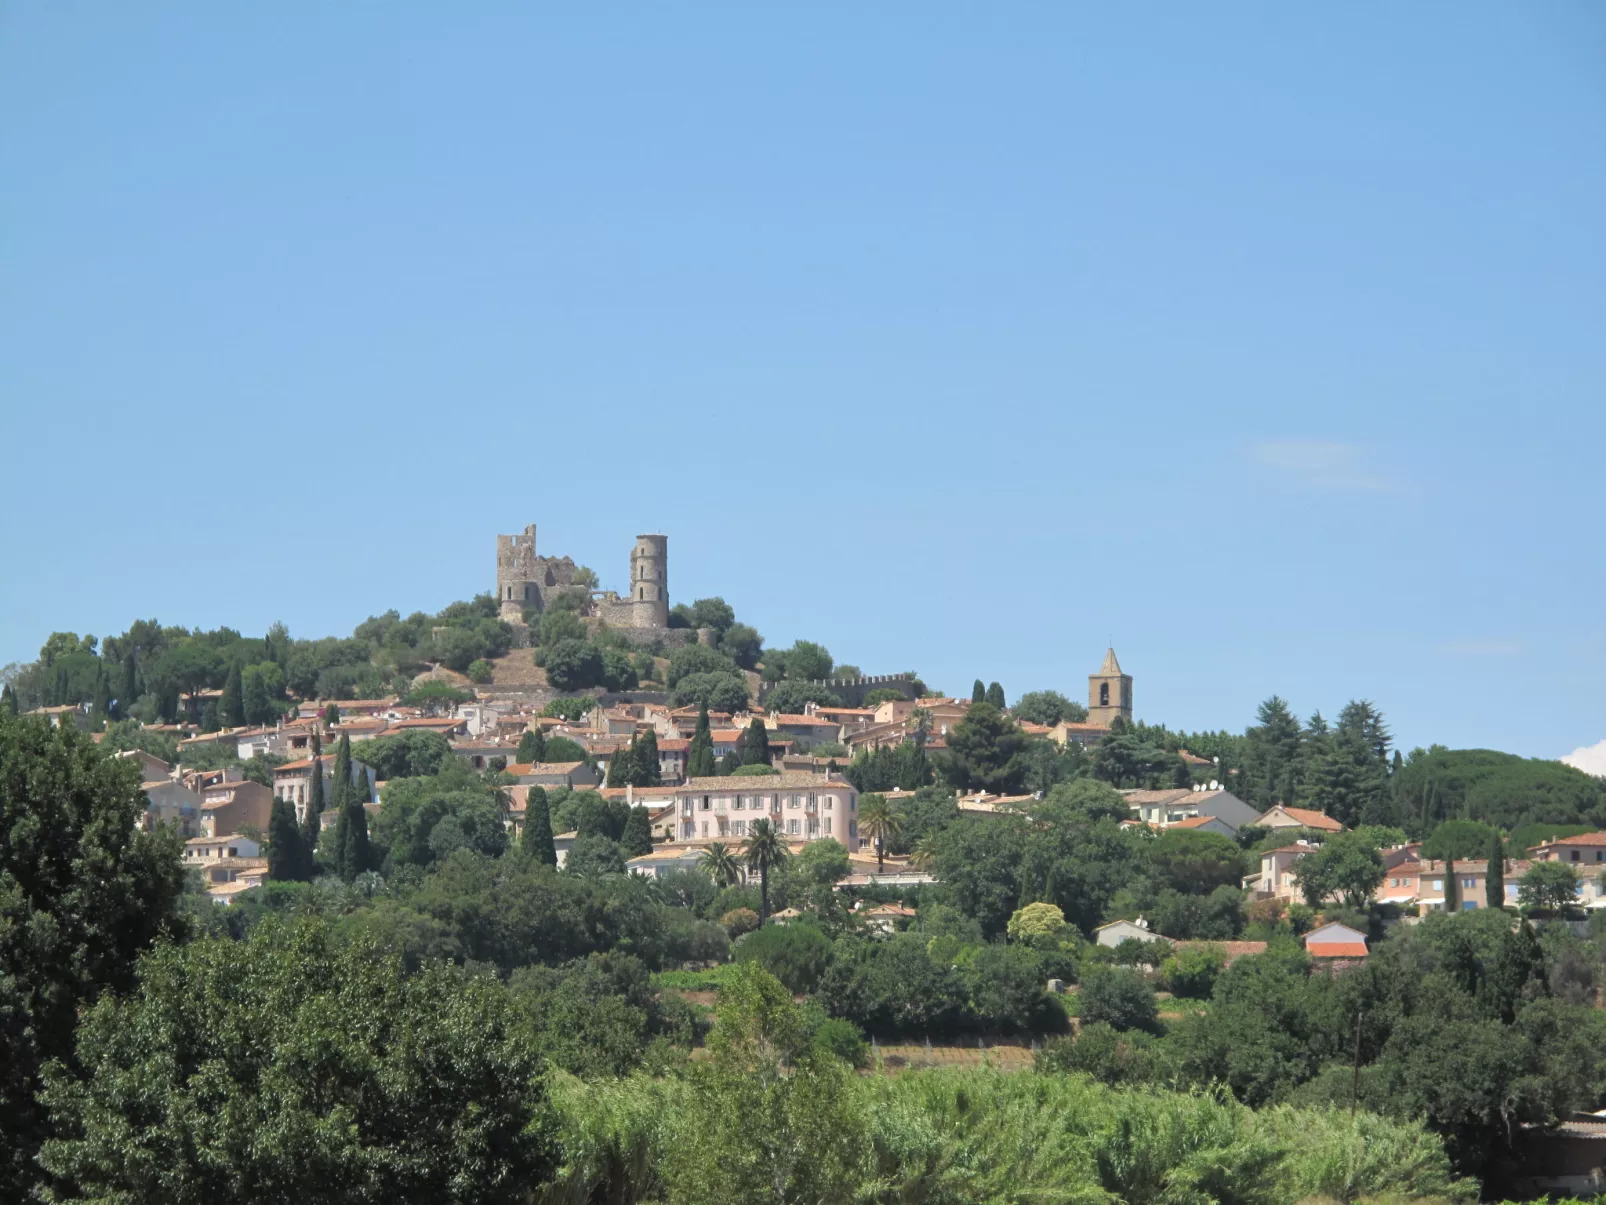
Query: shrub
x=479, y=671
x=1121, y=998
x=796, y=954
x=739, y=921
x=1192, y=973
x=843, y=1039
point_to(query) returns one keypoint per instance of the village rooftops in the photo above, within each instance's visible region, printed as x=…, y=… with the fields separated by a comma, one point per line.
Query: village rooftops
x=1282, y=816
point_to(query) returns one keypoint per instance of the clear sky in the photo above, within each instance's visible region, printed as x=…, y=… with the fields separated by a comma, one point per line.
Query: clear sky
x=1266, y=340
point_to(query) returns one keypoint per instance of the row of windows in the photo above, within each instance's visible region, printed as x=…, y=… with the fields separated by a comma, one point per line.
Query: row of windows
x=760, y=803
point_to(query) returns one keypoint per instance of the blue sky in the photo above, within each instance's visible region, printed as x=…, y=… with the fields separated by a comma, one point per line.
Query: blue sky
x=1264, y=340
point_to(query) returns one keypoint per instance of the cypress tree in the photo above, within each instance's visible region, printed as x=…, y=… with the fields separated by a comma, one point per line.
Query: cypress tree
x=8, y=699
x=351, y=842
x=529, y=747
x=637, y=837
x=622, y=767
x=755, y=747
x=730, y=763
x=233, y=700
x=103, y=694
x=700, y=756
x=537, y=839
x=1494, y=882
x=342, y=774
x=129, y=694
x=286, y=857
x=1452, y=887
x=978, y=692
x=649, y=773
x=995, y=696
x=311, y=824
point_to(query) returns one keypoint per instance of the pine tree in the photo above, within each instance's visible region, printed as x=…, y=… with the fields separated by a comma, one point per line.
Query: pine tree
x=1452, y=887
x=650, y=774
x=287, y=861
x=995, y=695
x=700, y=755
x=537, y=839
x=530, y=747
x=978, y=692
x=1494, y=882
x=233, y=700
x=636, y=840
x=755, y=744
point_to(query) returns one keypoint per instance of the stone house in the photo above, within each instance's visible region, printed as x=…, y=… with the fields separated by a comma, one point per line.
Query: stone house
x=169, y=801
x=1276, y=879
x=151, y=767
x=227, y=807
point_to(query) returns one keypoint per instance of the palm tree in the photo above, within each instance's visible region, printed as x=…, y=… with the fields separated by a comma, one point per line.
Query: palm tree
x=764, y=852
x=924, y=854
x=879, y=821
x=719, y=864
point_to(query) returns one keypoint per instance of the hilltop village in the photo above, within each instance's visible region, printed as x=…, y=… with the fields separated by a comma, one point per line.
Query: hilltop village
x=615, y=808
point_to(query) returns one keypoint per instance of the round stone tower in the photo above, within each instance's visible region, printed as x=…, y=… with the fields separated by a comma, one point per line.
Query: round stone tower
x=649, y=578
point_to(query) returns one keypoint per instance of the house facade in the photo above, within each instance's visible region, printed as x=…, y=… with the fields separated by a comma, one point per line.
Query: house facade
x=802, y=807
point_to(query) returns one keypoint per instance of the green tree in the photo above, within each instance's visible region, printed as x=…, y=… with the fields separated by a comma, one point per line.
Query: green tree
x=648, y=762
x=312, y=817
x=341, y=779
x=1452, y=888
x=1196, y=863
x=764, y=852
x=1047, y=707
x=796, y=954
x=1494, y=882
x=1548, y=887
x=84, y=891
x=793, y=697
x=288, y=861
x=1119, y=998
x=1459, y=839
x=317, y=1071
x=720, y=691
x=353, y=853
x=1271, y=756
x=755, y=744
x=1345, y=866
x=532, y=747
x=720, y=865
x=1038, y=923
x=233, y=701
x=700, y=753
x=622, y=767
x=742, y=644
x=986, y=752
x=536, y=840
x=978, y=692
x=807, y=661
x=637, y=839
x=573, y=665
x=8, y=700
x=881, y=822
x=995, y=696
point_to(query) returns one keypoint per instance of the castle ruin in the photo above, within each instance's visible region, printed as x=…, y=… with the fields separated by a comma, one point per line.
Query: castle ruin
x=526, y=581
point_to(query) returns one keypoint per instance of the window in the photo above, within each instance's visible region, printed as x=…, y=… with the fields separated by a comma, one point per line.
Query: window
x=828, y=826
x=705, y=803
x=1469, y=882
x=1575, y=855
x=853, y=828
x=791, y=826
x=829, y=801
x=702, y=828
x=741, y=800
x=1104, y=694
x=1438, y=884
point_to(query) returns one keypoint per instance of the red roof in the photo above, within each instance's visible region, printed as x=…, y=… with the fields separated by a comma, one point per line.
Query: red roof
x=1580, y=839
x=1312, y=819
x=1336, y=949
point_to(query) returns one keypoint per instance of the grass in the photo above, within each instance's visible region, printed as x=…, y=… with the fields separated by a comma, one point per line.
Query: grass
x=693, y=981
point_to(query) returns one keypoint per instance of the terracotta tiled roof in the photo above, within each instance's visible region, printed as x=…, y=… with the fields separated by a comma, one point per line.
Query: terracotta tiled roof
x=1580, y=839
x=1199, y=822
x=1307, y=818
x=725, y=785
x=1336, y=949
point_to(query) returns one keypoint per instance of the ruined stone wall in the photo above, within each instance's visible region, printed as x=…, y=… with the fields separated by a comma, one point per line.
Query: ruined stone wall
x=852, y=691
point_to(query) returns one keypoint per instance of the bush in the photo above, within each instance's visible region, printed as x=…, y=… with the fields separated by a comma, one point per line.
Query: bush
x=1120, y=998
x=754, y=772
x=573, y=710
x=718, y=691
x=696, y=659
x=1192, y=973
x=574, y=665
x=797, y=954
x=479, y=671
x=843, y=1039
x=1110, y=1057
x=739, y=921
